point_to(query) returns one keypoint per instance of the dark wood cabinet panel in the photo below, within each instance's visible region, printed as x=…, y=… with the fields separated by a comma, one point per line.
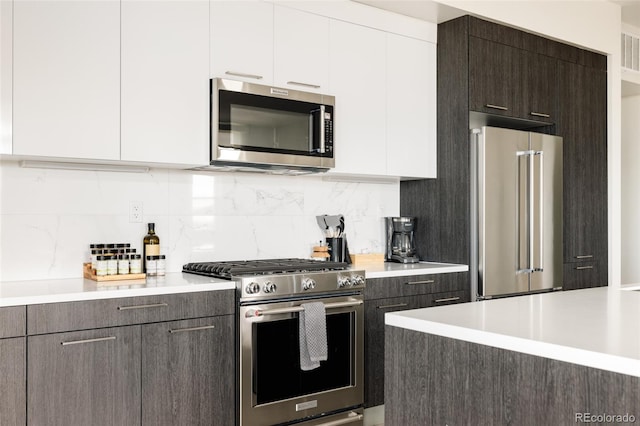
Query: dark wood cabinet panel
x=582, y=124
x=87, y=314
x=412, y=285
x=584, y=275
x=374, y=311
x=13, y=321
x=84, y=378
x=539, y=87
x=13, y=380
x=494, y=78
x=188, y=372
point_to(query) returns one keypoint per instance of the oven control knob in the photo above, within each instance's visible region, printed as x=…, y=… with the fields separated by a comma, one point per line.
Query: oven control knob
x=358, y=280
x=269, y=287
x=344, y=282
x=253, y=288
x=308, y=284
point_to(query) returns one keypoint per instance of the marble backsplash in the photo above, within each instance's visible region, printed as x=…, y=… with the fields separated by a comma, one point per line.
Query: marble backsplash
x=48, y=218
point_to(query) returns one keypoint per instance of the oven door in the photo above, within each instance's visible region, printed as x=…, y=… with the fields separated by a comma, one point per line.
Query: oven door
x=273, y=388
x=271, y=126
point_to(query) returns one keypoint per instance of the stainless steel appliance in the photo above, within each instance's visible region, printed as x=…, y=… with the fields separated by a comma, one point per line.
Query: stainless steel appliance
x=270, y=128
x=273, y=389
x=401, y=244
x=516, y=212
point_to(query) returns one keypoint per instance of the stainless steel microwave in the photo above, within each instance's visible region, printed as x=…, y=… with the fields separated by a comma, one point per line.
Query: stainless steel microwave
x=270, y=128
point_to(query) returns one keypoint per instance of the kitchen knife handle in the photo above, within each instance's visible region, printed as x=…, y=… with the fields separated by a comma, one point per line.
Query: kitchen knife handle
x=153, y=305
x=501, y=108
x=78, y=342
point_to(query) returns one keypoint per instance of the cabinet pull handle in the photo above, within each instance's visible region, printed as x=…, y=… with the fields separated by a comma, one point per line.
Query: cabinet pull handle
x=182, y=330
x=447, y=299
x=352, y=418
x=580, y=268
x=420, y=282
x=153, y=305
x=298, y=83
x=540, y=114
x=502, y=108
x=585, y=256
x=241, y=74
x=77, y=342
x=397, y=305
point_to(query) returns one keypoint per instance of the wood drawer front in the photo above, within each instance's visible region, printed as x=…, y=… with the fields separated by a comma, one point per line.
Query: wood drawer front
x=13, y=321
x=584, y=275
x=87, y=314
x=378, y=288
x=448, y=298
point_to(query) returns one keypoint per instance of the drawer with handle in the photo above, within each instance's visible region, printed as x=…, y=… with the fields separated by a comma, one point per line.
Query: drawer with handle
x=13, y=321
x=378, y=288
x=448, y=298
x=583, y=275
x=88, y=314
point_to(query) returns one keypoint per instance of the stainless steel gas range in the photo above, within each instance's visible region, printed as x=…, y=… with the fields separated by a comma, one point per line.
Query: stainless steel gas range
x=273, y=389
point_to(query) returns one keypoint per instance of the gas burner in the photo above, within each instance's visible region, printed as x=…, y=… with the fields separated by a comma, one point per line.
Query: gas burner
x=230, y=269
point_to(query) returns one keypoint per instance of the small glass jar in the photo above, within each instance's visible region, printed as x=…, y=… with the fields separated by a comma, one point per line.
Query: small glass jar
x=151, y=265
x=112, y=265
x=135, y=264
x=123, y=264
x=94, y=258
x=160, y=264
x=101, y=266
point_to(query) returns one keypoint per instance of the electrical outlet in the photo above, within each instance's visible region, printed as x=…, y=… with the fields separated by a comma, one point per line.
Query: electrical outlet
x=135, y=212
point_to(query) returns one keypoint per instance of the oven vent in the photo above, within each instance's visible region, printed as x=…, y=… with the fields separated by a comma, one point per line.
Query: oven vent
x=630, y=52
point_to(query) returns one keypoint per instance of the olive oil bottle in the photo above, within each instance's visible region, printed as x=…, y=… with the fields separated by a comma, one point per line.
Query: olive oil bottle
x=150, y=244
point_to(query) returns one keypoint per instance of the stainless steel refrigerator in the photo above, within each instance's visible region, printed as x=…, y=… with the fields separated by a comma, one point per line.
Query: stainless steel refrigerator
x=516, y=207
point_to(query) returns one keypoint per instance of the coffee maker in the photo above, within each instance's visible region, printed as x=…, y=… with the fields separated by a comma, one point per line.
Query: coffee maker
x=401, y=243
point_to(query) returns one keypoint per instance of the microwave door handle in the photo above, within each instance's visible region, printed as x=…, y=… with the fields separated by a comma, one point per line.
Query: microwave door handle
x=322, y=129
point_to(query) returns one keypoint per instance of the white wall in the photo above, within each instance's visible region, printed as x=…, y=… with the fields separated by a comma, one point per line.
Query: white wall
x=48, y=218
x=630, y=189
x=590, y=24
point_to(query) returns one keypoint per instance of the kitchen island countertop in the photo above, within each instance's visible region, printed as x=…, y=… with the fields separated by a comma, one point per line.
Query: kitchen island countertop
x=597, y=327
x=393, y=269
x=15, y=293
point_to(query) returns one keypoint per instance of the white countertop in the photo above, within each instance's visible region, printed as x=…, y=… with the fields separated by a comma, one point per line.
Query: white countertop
x=598, y=327
x=14, y=293
x=393, y=269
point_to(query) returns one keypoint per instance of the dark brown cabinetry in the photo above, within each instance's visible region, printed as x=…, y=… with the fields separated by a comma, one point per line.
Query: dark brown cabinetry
x=512, y=82
x=13, y=406
x=384, y=295
x=185, y=372
x=545, y=86
x=582, y=122
x=153, y=360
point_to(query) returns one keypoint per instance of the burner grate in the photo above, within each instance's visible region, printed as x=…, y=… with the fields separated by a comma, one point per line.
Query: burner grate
x=227, y=270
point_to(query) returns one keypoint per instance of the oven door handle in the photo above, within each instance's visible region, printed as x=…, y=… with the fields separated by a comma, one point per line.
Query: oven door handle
x=252, y=313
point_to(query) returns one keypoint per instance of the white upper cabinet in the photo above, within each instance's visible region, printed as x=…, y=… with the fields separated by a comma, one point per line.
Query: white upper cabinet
x=357, y=78
x=411, y=107
x=66, y=79
x=6, y=79
x=242, y=40
x=165, y=81
x=301, y=50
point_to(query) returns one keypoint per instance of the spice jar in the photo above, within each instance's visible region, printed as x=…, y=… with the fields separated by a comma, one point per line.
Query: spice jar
x=123, y=264
x=112, y=265
x=160, y=265
x=135, y=264
x=151, y=265
x=101, y=266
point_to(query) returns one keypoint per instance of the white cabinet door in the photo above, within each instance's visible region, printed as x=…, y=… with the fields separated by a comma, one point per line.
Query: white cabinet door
x=66, y=79
x=357, y=78
x=6, y=79
x=411, y=107
x=301, y=50
x=242, y=40
x=165, y=81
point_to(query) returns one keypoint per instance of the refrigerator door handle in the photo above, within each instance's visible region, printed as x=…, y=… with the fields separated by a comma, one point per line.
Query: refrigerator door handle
x=525, y=211
x=538, y=196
